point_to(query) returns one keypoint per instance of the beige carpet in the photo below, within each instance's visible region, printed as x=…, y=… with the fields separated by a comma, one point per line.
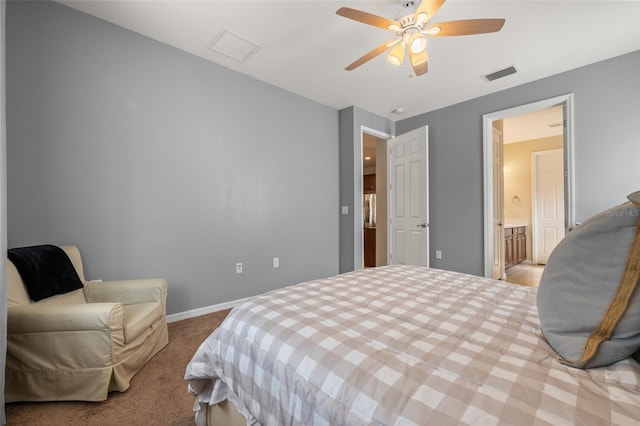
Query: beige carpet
x=157, y=394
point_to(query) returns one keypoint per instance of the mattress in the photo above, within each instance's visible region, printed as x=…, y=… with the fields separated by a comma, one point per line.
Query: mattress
x=402, y=345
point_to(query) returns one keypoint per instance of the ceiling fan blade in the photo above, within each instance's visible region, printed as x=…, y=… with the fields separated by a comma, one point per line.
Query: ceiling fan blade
x=365, y=17
x=430, y=7
x=368, y=56
x=465, y=27
x=419, y=62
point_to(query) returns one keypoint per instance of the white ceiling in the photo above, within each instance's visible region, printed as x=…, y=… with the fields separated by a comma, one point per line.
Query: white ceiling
x=534, y=125
x=305, y=45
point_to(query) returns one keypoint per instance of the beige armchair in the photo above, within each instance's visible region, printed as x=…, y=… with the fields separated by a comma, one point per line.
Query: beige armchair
x=82, y=344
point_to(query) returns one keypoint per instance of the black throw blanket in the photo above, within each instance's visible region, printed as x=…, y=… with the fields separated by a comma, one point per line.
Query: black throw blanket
x=46, y=270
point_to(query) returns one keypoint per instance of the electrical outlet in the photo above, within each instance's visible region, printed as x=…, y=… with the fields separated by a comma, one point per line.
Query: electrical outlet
x=276, y=262
x=238, y=268
x=438, y=254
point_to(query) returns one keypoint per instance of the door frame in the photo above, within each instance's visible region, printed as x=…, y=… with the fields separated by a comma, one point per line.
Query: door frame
x=569, y=180
x=358, y=199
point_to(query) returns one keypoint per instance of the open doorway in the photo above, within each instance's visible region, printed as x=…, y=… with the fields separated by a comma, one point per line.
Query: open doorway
x=374, y=207
x=532, y=191
x=528, y=187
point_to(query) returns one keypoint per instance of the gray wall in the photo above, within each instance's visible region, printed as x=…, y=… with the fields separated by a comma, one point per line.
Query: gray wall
x=158, y=163
x=352, y=120
x=607, y=152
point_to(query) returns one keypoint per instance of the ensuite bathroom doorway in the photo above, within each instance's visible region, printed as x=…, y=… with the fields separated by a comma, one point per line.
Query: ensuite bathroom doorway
x=529, y=203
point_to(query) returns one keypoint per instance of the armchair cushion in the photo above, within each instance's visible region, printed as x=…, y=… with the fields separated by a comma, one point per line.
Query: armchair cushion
x=46, y=270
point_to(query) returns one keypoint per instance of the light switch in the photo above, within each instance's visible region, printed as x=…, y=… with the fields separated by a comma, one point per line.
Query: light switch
x=345, y=209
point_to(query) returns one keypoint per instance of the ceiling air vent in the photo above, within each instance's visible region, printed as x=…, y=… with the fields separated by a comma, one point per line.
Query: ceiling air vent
x=501, y=73
x=234, y=46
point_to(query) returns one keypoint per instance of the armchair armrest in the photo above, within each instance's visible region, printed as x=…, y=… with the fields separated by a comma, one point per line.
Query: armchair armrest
x=127, y=292
x=33, y=318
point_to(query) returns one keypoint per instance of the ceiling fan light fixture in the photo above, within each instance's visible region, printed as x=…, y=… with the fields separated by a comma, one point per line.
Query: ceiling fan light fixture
x=417, y=43
x=419, y=58
x=396, y=55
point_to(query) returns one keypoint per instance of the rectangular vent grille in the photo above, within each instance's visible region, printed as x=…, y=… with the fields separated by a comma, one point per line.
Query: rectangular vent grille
x=234, y=46
x=500, y=74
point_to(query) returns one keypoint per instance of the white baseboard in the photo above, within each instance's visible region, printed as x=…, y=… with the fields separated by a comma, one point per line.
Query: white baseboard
x=204, y=310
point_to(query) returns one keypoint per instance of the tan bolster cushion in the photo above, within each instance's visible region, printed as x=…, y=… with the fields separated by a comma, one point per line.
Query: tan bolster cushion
x=127, y=291
x=37, y=318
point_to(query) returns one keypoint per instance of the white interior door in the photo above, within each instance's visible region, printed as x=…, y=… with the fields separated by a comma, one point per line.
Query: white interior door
x=409, y=199
x=497, y=270
x=548, y=203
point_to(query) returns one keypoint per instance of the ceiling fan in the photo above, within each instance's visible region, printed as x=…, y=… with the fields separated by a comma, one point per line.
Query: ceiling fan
x=410, y=29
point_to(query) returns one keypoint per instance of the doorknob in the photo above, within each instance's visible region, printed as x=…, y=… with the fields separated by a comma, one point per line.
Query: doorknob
x=422, y=225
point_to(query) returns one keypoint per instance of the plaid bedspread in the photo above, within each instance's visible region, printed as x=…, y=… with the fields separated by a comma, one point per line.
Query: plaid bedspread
x=402, y=345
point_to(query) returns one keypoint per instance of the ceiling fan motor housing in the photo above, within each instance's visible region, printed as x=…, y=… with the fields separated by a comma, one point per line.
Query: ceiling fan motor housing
x=407, y=21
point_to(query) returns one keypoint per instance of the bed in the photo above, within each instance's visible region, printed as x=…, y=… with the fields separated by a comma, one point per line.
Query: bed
x=400, y=345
